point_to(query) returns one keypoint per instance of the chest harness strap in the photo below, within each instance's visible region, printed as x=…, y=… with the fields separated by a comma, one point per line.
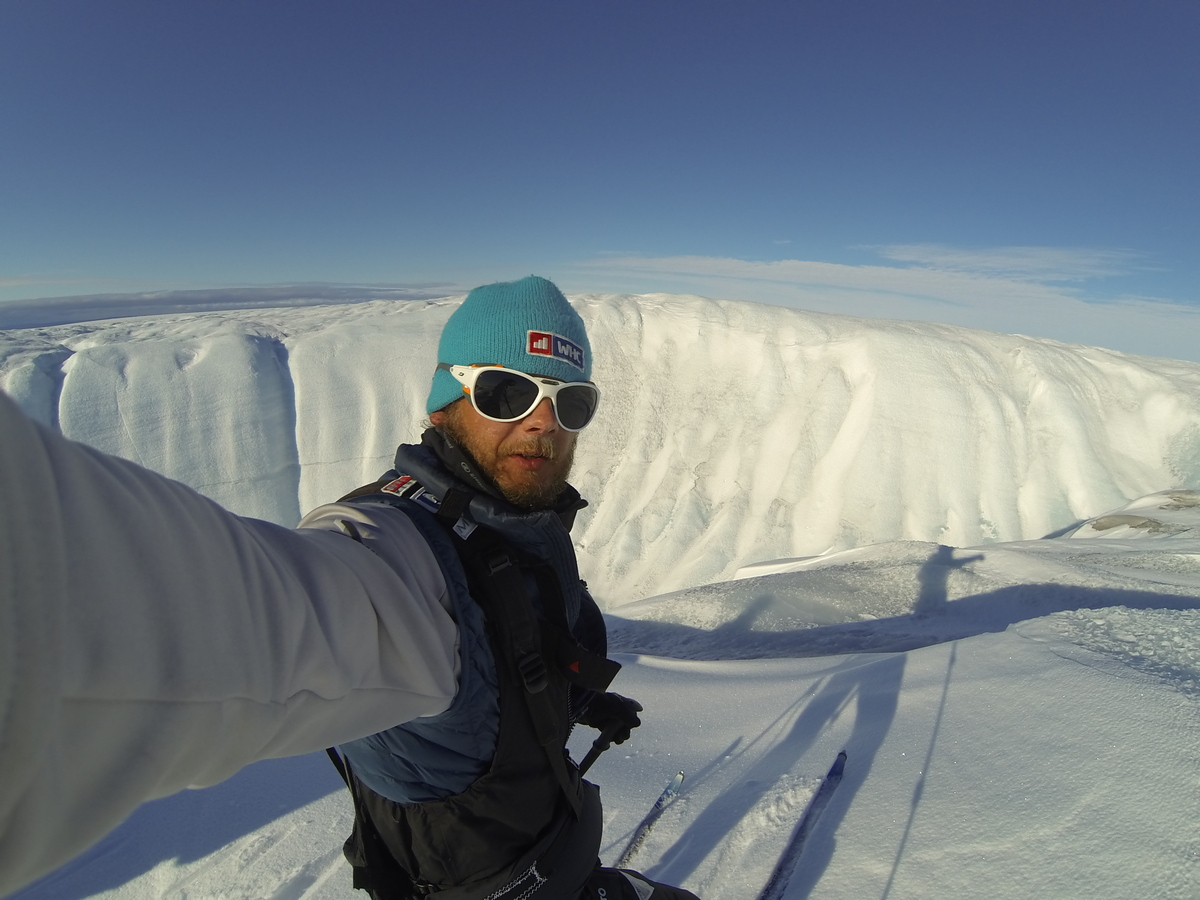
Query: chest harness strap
x=498, y=585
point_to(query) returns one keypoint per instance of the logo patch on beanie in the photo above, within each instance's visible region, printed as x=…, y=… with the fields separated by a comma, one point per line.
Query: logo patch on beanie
x=545, y=343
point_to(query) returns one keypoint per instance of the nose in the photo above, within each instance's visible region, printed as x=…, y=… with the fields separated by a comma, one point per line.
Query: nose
x=542, y=418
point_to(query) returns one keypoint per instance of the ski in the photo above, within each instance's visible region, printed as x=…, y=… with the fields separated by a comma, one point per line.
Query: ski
x=647, y=823
x=788, y=860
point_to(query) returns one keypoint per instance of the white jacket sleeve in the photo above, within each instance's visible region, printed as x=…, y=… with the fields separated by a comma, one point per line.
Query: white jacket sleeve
x=150, y=640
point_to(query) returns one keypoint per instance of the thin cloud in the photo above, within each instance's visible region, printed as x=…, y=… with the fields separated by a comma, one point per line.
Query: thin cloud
x=1052, y=264
x=1000, y=295
x=955, y=288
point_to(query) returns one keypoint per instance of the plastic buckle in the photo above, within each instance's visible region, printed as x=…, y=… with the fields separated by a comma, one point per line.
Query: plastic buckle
x=497, y=562
x=533, y=672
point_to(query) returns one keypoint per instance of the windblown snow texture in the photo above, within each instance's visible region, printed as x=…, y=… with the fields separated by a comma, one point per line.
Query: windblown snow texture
x=729, y=433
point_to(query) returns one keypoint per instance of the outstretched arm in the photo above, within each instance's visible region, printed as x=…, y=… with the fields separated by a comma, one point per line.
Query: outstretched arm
x=151, y=640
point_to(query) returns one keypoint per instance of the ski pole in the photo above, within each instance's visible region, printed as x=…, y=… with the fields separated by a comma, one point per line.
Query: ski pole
x=602, y=743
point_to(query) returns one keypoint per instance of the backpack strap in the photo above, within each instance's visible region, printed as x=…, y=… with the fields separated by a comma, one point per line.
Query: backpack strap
x=526, y=644
x=499, y=587
x=575, y=662
x=579, y=665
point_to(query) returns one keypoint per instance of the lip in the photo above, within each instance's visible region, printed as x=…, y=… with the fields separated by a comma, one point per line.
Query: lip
x=529, y=463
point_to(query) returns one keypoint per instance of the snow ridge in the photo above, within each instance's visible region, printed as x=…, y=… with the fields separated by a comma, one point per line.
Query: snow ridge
x=729, y=433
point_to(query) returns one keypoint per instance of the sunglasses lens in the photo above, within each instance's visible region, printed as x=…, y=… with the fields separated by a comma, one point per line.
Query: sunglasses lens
x=576, y=404
x=504, y=395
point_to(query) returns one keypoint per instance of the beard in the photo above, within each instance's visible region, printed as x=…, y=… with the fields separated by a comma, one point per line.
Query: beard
x=529, y=491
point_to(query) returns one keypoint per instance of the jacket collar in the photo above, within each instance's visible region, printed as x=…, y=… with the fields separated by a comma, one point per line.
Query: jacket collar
x=436, y=465
x=460, y=466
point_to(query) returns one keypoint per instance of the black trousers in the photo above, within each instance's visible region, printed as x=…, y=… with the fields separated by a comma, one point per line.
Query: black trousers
x=566, y=869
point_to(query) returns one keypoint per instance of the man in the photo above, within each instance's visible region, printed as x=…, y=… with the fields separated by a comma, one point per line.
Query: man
x=151, y=640
x=482, y=800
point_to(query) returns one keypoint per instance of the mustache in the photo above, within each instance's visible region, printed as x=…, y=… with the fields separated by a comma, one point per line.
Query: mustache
x=534, y=445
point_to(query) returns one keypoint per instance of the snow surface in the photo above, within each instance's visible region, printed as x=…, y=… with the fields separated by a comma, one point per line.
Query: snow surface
x=729, y=433
x=834, y=535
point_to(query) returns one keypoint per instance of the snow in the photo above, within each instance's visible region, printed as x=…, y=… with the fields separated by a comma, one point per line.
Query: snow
x=730, y=433
x=970, y=560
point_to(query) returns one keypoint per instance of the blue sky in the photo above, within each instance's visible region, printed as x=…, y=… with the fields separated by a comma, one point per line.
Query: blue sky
x=1012, y=165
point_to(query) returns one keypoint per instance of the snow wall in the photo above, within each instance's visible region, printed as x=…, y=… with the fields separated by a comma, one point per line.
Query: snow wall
x=728, y=432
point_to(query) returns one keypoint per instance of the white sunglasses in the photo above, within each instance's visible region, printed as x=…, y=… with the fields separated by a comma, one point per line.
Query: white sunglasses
x=507, y=395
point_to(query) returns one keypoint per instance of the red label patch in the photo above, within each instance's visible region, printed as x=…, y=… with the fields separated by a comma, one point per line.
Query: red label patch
x=397, y=486
x=546, y=343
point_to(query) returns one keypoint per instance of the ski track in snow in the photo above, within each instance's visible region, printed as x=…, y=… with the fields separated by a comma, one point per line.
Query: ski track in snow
x=744, y=859
x=831, y=534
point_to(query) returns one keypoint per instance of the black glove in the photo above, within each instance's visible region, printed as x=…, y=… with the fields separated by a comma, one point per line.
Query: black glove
x=612, y=713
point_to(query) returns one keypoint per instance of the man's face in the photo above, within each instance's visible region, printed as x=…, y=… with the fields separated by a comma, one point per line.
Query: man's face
x=529, y=459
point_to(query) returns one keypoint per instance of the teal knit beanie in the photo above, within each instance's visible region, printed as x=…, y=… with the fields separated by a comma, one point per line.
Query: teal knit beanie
x=526, y=325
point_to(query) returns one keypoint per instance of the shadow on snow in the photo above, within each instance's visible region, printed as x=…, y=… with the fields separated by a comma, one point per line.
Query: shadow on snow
x=934, y=620
x=872, y=687
x=193, y=824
